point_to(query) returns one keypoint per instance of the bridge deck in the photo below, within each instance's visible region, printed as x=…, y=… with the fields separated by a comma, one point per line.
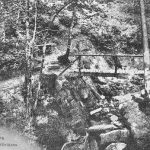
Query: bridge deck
x=108, y=73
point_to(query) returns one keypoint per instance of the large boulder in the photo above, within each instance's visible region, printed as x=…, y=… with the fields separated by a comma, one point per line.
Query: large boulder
x=116, y=146
x=101, y=128
x=86, y=143
x=136, y=117
x=73, y=95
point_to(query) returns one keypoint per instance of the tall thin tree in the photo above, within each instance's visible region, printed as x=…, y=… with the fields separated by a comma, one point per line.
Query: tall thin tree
x=28, y=62
x=64, y=59
x=146, y=49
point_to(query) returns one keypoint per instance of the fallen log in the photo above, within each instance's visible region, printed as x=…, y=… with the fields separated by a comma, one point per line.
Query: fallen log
x=101, y=128
x=95, y=111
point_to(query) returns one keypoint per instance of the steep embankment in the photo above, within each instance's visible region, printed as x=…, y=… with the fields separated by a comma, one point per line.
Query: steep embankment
x=81, y=111
x=106, y=124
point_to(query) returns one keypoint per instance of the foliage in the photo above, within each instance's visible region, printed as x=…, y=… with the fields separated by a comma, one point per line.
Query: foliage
x=107, y=24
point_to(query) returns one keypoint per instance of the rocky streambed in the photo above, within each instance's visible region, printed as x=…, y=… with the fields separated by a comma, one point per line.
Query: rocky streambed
x=88, y=113
x=109, y=122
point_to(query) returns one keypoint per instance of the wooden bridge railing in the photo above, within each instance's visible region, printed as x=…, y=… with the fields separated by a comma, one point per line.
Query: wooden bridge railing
x=79, y=59
x=79, y=56
x=118, y=55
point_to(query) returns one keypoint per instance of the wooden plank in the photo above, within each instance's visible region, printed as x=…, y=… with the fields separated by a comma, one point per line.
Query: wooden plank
x=101, y=128
x=102, y=74
x=121, y=71
x=118, y=55
x=49, y=44
x=95, y=111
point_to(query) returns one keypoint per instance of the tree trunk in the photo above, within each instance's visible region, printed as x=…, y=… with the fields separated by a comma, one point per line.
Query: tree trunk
x=41, y=71
x=64, y=58
x=146, y=50
x=63, y=7
x=28, y=62
x=2, y=7
x=70, y=34
x=4, y=34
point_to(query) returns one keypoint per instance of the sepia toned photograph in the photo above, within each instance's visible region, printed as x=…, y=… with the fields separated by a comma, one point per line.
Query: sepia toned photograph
x=74, y=75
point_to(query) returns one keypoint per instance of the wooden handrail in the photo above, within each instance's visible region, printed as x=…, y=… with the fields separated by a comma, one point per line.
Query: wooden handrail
x=80, y=55
x=118, y=55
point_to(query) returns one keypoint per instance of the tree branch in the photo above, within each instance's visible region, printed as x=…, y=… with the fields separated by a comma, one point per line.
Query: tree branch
x=35, y=25
x=57, y=13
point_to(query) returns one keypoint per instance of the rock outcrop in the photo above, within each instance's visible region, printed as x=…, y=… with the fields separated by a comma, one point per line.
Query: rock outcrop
x=115, y=136
x=137, y=119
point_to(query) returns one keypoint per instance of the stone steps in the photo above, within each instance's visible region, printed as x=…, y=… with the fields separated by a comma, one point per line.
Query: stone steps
x=53, y=67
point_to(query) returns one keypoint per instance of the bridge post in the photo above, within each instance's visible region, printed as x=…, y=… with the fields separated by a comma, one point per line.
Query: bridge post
x=146, y=50
x=116, y=68
x=79, y=66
